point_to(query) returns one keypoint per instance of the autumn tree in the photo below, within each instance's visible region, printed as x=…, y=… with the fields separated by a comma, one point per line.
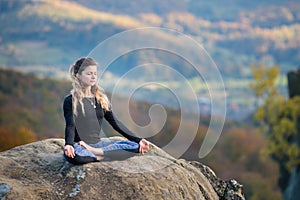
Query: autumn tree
x=11, y=138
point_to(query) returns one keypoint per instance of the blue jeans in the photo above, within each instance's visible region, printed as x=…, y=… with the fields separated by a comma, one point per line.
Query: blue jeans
x=109, y=148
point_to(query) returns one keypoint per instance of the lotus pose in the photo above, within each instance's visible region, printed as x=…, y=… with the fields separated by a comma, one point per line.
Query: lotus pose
x=84, y=110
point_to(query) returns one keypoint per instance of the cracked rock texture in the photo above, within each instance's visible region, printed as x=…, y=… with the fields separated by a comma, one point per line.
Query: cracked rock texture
x=39, y=171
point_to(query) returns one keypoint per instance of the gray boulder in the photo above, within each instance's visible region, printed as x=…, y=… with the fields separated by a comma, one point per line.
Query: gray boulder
x=39, y=171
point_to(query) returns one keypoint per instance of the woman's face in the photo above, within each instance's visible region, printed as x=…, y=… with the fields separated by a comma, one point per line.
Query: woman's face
x=89, y=75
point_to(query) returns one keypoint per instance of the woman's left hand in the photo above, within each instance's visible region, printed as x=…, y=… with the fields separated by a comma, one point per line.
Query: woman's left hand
x=144, y=146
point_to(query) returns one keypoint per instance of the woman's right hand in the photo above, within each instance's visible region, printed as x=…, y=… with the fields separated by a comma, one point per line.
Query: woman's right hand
x=69, y=151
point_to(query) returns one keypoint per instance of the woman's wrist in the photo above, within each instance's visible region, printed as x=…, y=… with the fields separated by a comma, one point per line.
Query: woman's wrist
x=67, y=146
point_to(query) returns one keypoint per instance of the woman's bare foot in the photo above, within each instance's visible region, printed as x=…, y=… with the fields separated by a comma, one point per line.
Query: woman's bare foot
x=97, y=151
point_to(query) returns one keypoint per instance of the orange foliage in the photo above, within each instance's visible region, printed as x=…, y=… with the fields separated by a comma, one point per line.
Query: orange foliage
x=10, y=138
x=239, y=154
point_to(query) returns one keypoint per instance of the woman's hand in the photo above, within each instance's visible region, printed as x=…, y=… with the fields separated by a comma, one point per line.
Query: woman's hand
x=144, y=146
x=69, y=151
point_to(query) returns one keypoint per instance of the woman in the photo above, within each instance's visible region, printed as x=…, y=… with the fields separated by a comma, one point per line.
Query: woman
x=84, y=110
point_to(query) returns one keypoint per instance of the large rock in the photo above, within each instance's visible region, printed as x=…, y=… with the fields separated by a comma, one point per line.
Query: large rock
x=39, y=171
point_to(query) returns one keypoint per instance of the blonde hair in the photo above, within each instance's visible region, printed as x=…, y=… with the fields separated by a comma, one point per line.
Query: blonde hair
x=78, y=90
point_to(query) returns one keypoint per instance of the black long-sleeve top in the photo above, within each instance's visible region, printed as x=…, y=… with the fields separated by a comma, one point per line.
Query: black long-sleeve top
x=86, y=127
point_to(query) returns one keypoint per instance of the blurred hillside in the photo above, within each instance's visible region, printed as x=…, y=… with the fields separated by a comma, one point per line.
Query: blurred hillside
x=235, y=33
x=45, y=37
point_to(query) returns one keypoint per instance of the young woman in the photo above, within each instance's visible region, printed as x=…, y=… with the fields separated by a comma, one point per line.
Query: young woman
x=84, y=110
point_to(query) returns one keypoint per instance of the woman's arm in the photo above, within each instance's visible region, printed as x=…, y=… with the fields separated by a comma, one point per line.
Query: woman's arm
x=120, y=127
x=70, y=126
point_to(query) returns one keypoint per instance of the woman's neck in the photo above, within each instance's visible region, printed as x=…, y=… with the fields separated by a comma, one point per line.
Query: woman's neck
x=87, y=92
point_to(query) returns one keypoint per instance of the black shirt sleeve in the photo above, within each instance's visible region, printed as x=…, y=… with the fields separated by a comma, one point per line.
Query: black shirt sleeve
x=70, y=124
x=120, y=127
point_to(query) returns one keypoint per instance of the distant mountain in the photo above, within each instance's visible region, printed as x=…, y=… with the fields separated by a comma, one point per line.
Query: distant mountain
x=235, y=33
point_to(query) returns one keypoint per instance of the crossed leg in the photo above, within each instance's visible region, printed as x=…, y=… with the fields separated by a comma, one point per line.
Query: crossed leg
x=97, y=151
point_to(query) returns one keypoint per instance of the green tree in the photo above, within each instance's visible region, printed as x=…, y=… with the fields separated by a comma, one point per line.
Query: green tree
x=278, y=117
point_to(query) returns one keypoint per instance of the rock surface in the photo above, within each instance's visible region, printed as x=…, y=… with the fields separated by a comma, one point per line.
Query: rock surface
x=39, y=171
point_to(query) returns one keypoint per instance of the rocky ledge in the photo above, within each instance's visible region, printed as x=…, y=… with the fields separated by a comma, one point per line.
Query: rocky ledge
x=39, y=171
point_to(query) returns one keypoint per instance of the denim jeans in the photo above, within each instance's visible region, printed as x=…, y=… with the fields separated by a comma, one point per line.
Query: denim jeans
x=108, y=148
